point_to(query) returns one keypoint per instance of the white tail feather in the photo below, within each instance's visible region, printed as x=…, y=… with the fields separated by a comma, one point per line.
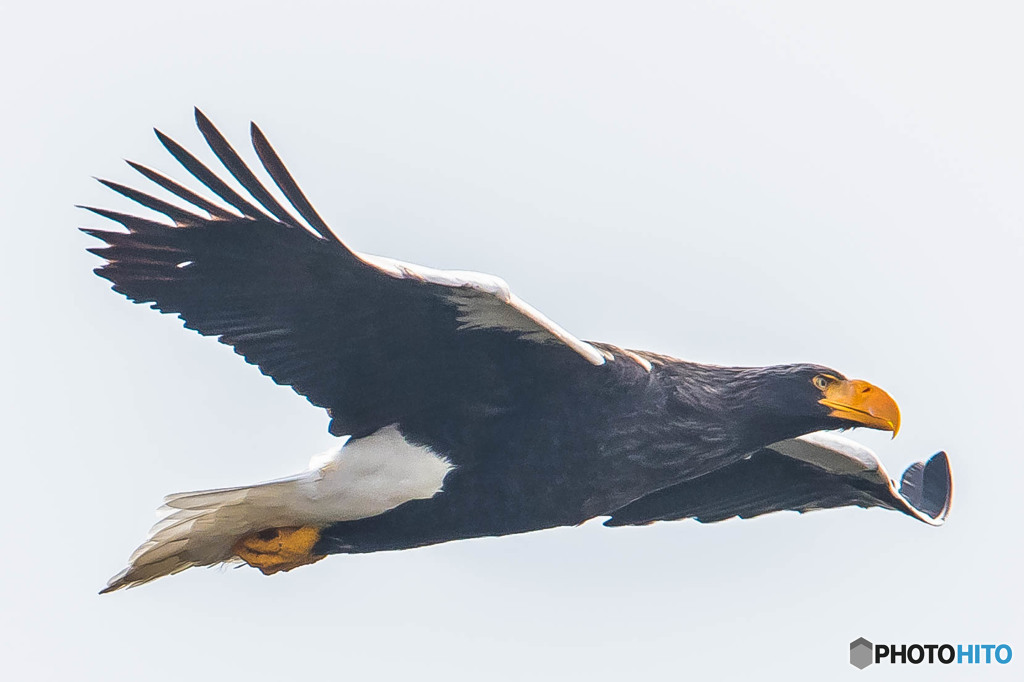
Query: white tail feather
x=366, y=477
x=201, y=528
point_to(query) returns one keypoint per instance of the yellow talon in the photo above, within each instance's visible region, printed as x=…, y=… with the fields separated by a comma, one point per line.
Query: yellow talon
x=279, y=549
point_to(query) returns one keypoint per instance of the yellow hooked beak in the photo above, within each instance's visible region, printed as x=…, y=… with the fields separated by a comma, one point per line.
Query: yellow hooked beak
x=861, y=402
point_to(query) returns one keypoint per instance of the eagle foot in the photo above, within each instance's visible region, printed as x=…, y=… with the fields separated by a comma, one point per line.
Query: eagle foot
x=279, y=549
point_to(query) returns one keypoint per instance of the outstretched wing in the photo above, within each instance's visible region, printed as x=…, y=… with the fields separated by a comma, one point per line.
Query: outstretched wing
x=374, y=340
x=817, y=471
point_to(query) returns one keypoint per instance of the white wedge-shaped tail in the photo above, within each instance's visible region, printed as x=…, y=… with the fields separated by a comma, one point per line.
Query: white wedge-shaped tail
x=365, y=477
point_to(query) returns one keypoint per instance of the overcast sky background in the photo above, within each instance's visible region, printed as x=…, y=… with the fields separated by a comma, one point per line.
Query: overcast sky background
x=735, y=183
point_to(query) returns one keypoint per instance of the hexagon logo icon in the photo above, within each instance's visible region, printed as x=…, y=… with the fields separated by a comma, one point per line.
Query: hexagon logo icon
x=861, y=653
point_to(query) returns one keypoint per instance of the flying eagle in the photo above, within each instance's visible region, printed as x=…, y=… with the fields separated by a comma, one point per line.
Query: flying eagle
x=467, y=412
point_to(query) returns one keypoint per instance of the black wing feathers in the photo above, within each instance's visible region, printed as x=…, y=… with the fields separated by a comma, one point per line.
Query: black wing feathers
x=286, y=183
x=233, y=162
x=928, y=486
x=768, y=482
x=178, y=215
x=372, y=348
x=185, y=193
x=208, y=178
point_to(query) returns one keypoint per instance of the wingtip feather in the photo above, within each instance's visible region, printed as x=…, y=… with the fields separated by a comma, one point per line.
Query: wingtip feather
x=928, y=487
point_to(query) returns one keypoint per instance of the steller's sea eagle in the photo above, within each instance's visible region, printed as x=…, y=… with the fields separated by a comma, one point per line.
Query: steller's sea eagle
x=468, y=412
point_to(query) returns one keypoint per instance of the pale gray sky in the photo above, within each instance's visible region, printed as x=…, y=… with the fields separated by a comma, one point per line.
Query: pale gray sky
x=740, y=183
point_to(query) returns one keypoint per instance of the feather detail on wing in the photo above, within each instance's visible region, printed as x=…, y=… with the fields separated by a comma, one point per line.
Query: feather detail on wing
x=369, y=338
x=817, y=471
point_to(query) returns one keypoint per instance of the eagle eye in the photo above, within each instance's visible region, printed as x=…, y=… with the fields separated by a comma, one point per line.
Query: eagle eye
x=821, y=381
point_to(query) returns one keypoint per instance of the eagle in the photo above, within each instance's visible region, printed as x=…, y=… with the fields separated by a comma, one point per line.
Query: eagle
x=462, y=410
